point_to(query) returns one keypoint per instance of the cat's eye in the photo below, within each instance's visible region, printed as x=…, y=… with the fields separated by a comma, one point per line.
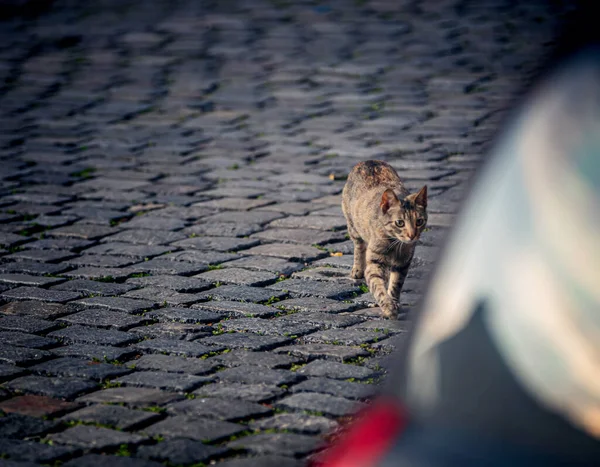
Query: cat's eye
x=420, y=222
x=400, y=223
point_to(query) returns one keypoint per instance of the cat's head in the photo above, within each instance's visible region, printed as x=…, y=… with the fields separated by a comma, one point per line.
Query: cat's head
x=404, y=219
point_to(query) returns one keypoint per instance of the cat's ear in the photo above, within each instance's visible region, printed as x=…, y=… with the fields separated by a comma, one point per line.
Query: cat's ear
x=420, y=198
x=388, y=199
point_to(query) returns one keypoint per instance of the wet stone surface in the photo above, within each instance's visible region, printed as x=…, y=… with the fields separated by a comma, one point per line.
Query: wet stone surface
x=174, y=262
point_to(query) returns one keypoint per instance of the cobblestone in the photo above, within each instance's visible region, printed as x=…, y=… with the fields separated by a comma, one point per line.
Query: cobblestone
x=164, y=380
x=75, y=367
x=289, y=444
x=62, y=388
x=180, y=451
x=94, y=437
x=143, y=150
x=200, y=429
x=31, y=451
x=114, y=416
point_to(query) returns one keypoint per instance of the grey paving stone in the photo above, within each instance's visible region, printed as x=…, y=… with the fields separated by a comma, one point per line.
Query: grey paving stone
x=131, y=397
x=26, y=324
x=304, y=288
x=222, y=229
x=177, y=283
x=170, y=330
x=58, y=387
x=174, y=364
x=391, y=344
x=231, y=308
x=17, y=426
x=74, y=367
x=85, y=231
x=94, y=287
x=324, y=368
x=199, y=257
x=200, y=429
x=184, y=315
x=347, y=389
x=113, y=416
x=8, y=240
x=275, y=326
x=100, y=352
x=163, y=296
x=317, y=403
x=263, y=461
x=346, y=337
x=289, y=208
x=238, y=276
x=234, y=204
x=265, y=376
x=322, y=320
x=234, y=391
x=242, y=293
x=77, y=334
x=311, y=222
x=244, y=358
x=290, y=444
x=164, y=380
x=103, y=318
x=127, y=249
x=21, y=355
x=154, y=223
x=243, y=217
x=219, y=409
x=239, y=340
x=10, y=371
x=70, y=244
x=296, y=235
x=301, y=253
x=216, y=243
x=85, y=436
x=94, y=273
x=145, y=237
x=45, y=256
x=22, y=339
x=325, y=274
x=103, y=261
x=32, y=267
x=180, y=451
x=102, y=460
x=327, y=351
x=128, y=305
x=26, y=279
x=314, y=304
x=33, y=293
x=32, y=451
x=165, y=266
x=342, y=262
x=295, y=422
x=175, y=347
x=277, y=266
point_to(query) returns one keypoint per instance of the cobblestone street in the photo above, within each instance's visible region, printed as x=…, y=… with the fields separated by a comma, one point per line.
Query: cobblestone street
x=174, y=264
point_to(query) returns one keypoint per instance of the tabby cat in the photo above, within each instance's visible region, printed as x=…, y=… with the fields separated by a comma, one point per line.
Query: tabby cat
x=384, y=222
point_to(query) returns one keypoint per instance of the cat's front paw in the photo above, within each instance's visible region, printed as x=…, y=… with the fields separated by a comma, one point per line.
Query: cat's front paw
x=390, y=308
x=357, y=273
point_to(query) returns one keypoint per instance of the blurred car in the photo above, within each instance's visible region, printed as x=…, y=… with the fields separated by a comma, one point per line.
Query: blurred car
x=502, y=367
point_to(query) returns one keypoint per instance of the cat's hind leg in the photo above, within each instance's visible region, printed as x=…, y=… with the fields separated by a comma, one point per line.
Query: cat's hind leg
x=360, y=253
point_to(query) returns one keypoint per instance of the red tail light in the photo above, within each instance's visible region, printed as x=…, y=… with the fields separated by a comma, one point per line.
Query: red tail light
x=367, y=438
